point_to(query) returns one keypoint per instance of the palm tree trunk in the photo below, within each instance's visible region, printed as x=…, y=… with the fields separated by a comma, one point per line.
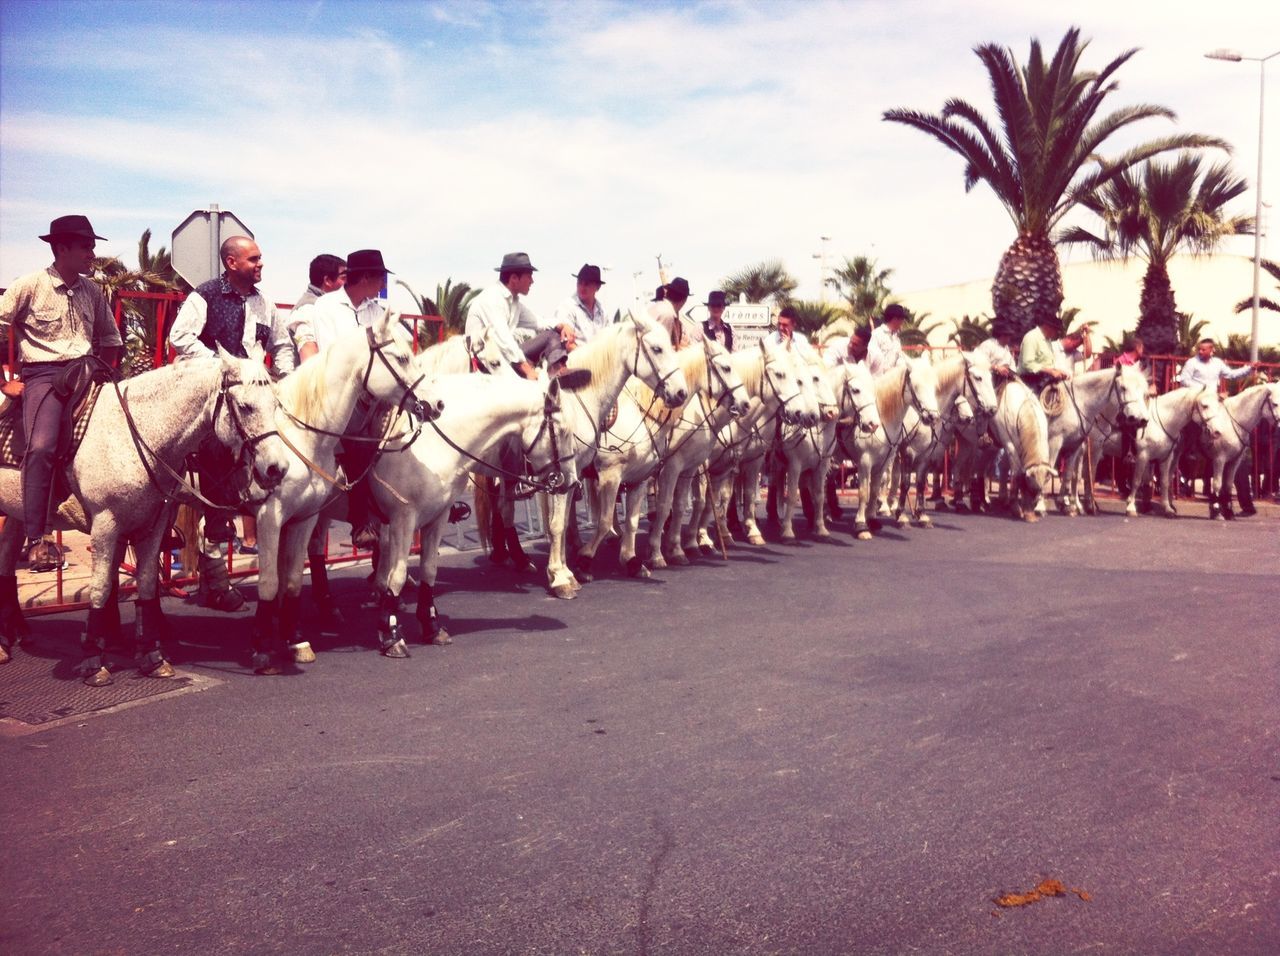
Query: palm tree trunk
x=1028, y=286
x=1158, y=324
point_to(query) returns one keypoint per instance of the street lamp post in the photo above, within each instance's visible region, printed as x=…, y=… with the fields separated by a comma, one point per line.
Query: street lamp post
x=1232, y=56
x=822, y=269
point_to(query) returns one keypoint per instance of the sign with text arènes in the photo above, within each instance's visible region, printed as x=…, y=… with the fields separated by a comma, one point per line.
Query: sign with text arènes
x=196, y=241
x=750, y=322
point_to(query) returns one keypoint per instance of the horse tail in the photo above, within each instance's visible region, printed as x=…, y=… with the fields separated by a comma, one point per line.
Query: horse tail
x=188, y=524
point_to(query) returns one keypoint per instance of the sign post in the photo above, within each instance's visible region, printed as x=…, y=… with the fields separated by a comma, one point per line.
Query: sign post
x=750, y=322
x=197, y=239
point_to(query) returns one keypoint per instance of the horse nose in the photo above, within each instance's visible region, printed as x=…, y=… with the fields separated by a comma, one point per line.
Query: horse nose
x=678, y=396
x=275, y=474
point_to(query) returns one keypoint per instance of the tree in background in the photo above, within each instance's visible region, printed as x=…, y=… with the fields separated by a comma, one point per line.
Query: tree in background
x=863, y=285
x=1271, y=305
x=811, y=317
x=155, y=273
x=1043, y=159
x=914, y=332
x=970, y=331
x=767, y=281
x=1153, y=212
x=452, y=302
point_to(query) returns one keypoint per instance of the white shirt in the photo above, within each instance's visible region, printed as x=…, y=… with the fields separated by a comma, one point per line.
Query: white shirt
x=184, y=336
x=664, y=313
x=837, y=352
x=884, y=351
x=799, y=343
x=1063, y=360
x=333, y=312
x=1196, y=372
x=996, y=354
x=508, y=320
x=586, y=323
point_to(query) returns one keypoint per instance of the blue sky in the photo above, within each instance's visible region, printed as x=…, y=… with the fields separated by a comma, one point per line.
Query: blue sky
x=716, y=134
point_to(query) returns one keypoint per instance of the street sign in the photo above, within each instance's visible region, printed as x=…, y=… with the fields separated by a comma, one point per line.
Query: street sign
x=751, y=322
x=194, y=249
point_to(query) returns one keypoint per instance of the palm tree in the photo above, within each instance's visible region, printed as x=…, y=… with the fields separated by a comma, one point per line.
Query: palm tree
x=1152, y=212
x=452, y=302
x=914, y=332
x=1189, y=332
x=863, y=285
x=811, y=317
x=1045, y=160
x=766, y=281
x=970, y=331
x=155, y=273
x=1271, y=305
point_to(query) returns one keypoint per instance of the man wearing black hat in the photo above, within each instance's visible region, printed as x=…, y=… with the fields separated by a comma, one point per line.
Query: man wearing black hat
x=524, y=339
x=583, y=310
x=57, y=317
x=714, y=327
x=669, y=312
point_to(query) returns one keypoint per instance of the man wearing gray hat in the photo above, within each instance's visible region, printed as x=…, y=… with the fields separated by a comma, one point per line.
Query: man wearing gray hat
x=58, y=317
x=524, y=339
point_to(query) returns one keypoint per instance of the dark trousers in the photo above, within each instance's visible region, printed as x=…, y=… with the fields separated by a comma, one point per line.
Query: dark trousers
x=42, y=411
x=547, y=345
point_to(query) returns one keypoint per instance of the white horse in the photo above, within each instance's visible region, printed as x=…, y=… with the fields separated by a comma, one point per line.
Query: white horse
x=416, y=487
x=127, y=471
x=768, y=376
x=798, y=405
x=1161, y=439
x=965, y=393
x=721, y=397
x=911, y=385
x=1021, y=429
x=1244, y=412
x=1095, y=404
x=636, y=346
x=806, y=452
x=318, y=401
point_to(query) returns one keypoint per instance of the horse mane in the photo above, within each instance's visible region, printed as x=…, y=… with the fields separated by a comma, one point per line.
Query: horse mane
x=749, y=364
x=302, y=392
x=889, y=394
x=444, y=358
x=692, y=362
x=596, y=356
x=949, y=374
x=1029, y=437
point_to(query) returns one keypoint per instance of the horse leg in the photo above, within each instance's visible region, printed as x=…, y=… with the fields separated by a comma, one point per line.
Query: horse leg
x=1139, y=479
x=699, y=500
x=559, y=578
x=789, y=478
x=100, y=627
x=393, y=568
x=149, y=622
x=433, y=629
x=861, y=528
x=331, y=615
x=520, y=562
x=664, y=487
x=817, y=490
x=750, y=494
x=13, y=626
x=604, y=494
x=630, y=524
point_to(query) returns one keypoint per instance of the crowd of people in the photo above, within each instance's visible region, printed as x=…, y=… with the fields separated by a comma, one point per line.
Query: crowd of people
x=58, y=318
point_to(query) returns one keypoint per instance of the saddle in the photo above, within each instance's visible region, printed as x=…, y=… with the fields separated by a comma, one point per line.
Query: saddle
x=78, y=386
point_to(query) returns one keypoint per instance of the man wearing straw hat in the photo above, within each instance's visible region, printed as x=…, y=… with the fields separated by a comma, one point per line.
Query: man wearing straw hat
x=57, y=317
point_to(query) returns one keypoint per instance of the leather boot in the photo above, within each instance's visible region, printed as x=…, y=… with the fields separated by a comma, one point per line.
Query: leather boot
x=215, y=585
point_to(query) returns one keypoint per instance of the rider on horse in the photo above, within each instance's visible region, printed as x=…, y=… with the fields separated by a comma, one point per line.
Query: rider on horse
x=58, y=319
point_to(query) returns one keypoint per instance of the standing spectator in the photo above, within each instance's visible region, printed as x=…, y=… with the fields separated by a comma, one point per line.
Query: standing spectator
x=1205, y=368
x=884, y=351
x=57, y=317
x=327, y=273
x=583, y=310
x=524, y=339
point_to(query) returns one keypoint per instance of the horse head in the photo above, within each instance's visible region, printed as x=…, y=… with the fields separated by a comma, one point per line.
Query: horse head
x=390, y=374
x=921, y=384
x=858, y=397
x=783, y=386
x=725, y=382
x=1209, y=412
x=1131, y=395
x=655, y=361
x=546, y=440
x=487, y=355
x=980, y=385
x=244, y=421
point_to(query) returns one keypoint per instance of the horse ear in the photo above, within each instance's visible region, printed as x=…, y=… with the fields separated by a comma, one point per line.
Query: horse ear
x=553, y=396
x=227, y=358
x=571, y=380
x=255, y=352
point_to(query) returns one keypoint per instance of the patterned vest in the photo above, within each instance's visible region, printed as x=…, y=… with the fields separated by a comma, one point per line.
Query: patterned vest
x=224, y=318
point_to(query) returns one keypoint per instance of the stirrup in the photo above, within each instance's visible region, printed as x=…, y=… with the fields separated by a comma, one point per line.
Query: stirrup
x=459, y=511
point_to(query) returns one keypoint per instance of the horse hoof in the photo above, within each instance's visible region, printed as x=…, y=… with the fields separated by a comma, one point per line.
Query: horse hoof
x=564, y=592
x=707, y=550
x=904, y=522
x=440, y=638
x=657, y=562
x=678, y=558
x=644, y=572
x=924, y=522
x=822, y=535
x=99, y=678
x=1030, y=517
x=162, y=670
x=398, y=650
x=5, y=656
x=302, y=653
x=863, y=535
x=265, y=666
x=755, y=538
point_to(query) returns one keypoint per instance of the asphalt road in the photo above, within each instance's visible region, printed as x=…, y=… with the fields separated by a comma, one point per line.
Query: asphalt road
x=843, y=748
